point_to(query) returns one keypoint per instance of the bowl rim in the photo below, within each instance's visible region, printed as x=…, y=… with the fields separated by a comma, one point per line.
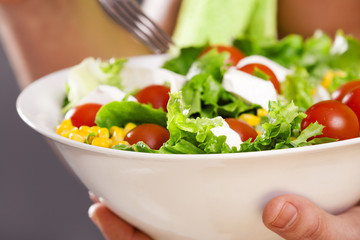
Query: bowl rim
x=160, y=157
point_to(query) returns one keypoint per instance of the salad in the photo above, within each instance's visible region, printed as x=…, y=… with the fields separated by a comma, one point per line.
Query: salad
x=250, y=96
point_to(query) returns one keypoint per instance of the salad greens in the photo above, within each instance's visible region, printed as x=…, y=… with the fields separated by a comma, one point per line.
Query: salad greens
x=88, y=75
x=191, y=133
x=310, y=59
x=194, y=135
x=208, y=98
x=120, y=113
x=203, y=102
x=215, y=21
x=182, y=63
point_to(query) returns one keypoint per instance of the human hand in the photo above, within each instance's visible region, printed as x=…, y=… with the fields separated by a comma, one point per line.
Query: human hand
x=111, y=226
x=290, y=216
x=294, y=217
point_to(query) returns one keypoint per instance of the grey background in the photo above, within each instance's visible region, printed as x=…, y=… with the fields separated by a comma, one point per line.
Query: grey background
x=39, y=198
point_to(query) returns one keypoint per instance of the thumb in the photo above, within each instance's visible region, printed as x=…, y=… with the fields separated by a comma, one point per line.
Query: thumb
x=294, y=217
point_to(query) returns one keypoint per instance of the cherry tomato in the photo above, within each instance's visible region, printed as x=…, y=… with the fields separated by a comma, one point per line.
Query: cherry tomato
x=85, y=114
x=250, y=68
x=339, y=120
x=339, y=93
x=352, y=99
x=235, y=54
x=242, y=128
x=156, y=95
x=151, y=134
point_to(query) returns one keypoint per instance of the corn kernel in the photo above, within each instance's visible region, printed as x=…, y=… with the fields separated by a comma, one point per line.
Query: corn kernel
x=261, y=112
x=101, y=142
x=83, y=134
x=94, y=129
x=103, y=133
x=327, y=79
x=118, y=134
x=85, y=129
x=313, y=91
x=329, y=76
x=113, y=129
x=128, y=127
x=251, y=119
x=65, y=133
x=74, y=135
x=66, y=124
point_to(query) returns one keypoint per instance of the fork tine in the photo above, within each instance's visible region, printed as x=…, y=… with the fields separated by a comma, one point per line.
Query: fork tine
x=137, y=24
x=145, y=24
x=142, y=32
x=122, y=17
x=148, y=22
x=130, y=16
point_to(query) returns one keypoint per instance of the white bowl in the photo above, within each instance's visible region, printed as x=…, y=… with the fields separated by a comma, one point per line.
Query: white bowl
x=197, y=197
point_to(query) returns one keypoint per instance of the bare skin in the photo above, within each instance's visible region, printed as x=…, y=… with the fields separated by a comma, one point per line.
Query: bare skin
x=291, y=217
x=42, y=36
x=305, y=16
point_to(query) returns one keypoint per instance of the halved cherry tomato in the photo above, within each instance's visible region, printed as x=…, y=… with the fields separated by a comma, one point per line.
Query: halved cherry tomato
x=235, y=54
x=352, y=99
x=242, y=128
x=339, y=93
x=153, y=135
x=85, y=114
x=339, y=120
x=250, y=69
x=156, y=95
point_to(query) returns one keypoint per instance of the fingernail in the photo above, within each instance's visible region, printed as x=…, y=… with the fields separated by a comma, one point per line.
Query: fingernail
x=92, y=197
x=286, y=216
x=92, y=214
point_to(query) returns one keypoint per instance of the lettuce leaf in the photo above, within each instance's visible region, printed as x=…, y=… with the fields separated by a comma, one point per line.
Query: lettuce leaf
x=209, y=24
x=191, y=135
x=208, y=98
x=88, y=75
x=120, y=113
x=204, y=92
x=298, y=89
x=183, y=61
x=212, y=63
x=283, y=130
x=138, y=147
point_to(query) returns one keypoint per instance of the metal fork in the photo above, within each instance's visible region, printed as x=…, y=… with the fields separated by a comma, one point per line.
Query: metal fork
x=129, y=14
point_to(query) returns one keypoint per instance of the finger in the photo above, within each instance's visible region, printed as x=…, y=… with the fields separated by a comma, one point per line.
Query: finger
x=294, y=217
x=350, y=221
x=111, y=226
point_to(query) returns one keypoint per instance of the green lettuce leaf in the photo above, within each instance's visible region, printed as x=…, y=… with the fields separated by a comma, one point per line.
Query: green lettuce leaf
x=191, y=135
x=213, y=63
x=120, y=113
x=138, y=147
x=88, y=75
x=314, y=129
x=209, y=24
x=283, y=130
x=298, y=89
x=183, y=61
x=208, y=98
x=281, y=126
